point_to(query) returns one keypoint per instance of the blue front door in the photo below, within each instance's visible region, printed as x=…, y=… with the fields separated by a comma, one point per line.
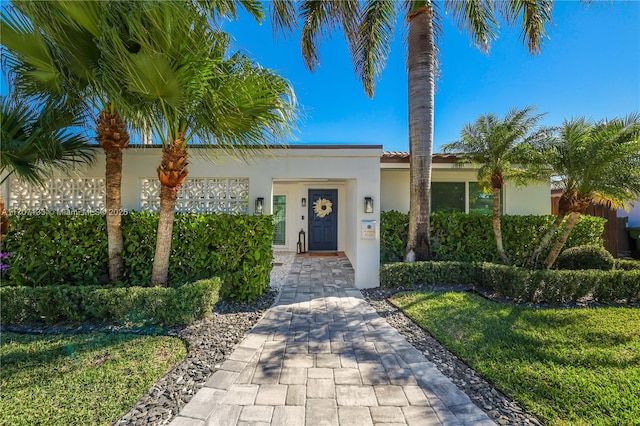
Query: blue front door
x=323, y=219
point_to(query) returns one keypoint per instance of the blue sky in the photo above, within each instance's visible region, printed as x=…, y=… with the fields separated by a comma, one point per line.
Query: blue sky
x=589, y=66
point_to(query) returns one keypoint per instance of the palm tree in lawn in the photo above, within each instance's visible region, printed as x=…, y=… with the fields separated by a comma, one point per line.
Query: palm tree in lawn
x=37, y=140
x=368, y=27
x=496, y=145
x=596, y=163
x=193, y=90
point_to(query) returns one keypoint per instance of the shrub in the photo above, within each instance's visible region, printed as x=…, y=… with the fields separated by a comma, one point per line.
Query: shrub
x=585, y=257
x=428, y=273
x=518, y=284
x=234, y=247
x=626, y=264
x=469, y=237
x=138, y=305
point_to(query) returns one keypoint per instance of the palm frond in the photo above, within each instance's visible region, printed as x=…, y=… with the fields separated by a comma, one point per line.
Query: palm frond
x=37, y=141
x=373, y=41
x=535, y=16
x=283, y=17
x=476, y=18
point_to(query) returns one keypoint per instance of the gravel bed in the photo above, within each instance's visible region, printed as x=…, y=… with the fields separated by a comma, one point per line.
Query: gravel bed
x=499, y=407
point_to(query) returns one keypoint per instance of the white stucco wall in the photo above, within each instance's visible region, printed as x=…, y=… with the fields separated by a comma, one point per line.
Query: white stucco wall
x=394, y=184
x=353, y=170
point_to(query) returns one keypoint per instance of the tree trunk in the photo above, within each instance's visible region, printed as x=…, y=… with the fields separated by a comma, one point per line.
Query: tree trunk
x=557, y=247
x=160, y=271
x=421, y=73
x=172, y=173
x=113, y=181
x=497, y=230
x=546, y=240
x=113, y=137
x=4, y=222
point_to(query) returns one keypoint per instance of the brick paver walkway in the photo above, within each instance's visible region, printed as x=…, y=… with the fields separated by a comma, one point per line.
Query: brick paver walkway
x=322, y=356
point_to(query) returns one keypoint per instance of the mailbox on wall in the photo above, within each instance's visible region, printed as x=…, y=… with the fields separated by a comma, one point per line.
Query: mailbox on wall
x=368, y=230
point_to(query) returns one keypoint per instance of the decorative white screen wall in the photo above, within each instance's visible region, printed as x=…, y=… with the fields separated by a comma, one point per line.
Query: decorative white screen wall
x=58, y=194
x=198, y=195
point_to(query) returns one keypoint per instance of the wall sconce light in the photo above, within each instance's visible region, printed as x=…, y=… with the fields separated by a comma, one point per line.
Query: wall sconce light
x=259, y=205
x=368, y=205
x=304, y=202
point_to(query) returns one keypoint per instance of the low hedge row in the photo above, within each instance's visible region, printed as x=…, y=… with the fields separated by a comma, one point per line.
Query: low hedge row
x=469, y=237
x=55, y=249
x=519, y=284
x=138, y=305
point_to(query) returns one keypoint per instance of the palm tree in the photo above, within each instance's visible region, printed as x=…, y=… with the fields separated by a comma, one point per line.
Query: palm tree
x=368, y=27
x=496, y=145
x=53, y=53
x=193, y=90
x=35, y=141
x=596, y=163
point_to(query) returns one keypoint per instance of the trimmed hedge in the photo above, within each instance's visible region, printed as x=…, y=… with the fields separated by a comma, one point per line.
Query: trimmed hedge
x=54, y=249
x=469, y=237
x=626, y=264
x=585, y=257
x=137, y=305
x=519, y=284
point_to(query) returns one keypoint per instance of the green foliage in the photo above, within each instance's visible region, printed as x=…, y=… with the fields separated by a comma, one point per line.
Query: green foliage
x=56, y=249
x=469, y=237
x=585, y=257
x=137, y=305
x=566, y=366
x=79, y=379
x=626, y=264
x=518, y=284
x=394, y=228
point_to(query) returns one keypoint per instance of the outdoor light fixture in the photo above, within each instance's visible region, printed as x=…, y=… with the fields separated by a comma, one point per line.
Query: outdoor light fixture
x=259, y=205
x=304, y=202
x=368, y=205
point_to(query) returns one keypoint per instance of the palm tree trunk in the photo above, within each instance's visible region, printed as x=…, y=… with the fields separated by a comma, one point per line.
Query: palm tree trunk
x=557, y=247
x=160, y=271
x=421, y=71
x=4, y=222
x=113, y=183
x=497, y=230
x=546, y=240
x=113, y=137
x=172, y=173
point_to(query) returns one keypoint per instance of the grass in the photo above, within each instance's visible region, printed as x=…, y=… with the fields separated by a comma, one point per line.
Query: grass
x=566, y=366
x=79, y=379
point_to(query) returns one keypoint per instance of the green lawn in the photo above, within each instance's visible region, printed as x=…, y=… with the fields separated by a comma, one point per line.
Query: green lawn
x=566, y=366
x=79, y=379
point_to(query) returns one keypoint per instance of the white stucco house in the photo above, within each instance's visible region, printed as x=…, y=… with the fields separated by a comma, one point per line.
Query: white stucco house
x=332, y=193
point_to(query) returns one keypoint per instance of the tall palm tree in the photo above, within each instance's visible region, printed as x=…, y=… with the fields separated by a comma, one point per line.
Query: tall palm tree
x=368, y=26
x=193, y=90
x=35, y=141
x=596, y=163
x=496, y=145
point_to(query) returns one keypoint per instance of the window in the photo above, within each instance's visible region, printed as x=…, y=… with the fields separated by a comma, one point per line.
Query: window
x=447, y=197
x=481, y=202
x=279, y=216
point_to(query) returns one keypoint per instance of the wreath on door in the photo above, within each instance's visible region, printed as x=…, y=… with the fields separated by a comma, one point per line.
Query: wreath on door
x=322, y=207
